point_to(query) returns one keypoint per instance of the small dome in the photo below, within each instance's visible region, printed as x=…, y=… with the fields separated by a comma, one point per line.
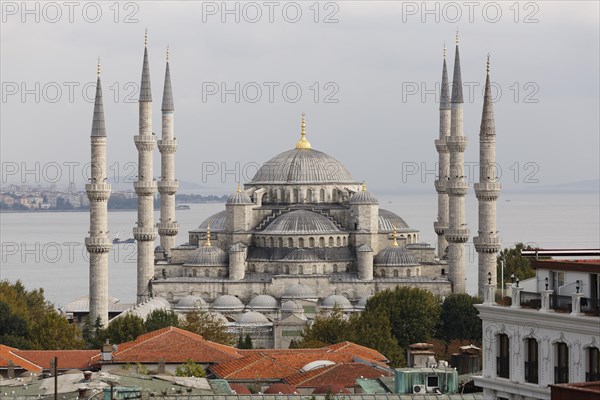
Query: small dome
x=292, y=307
x=239, y=389
x=300, y=291
x=216, y=221
x=301, y=222
x=336, y=300
x=362, y=302
x=387, y=221
x=364, y=247
x=218, y=317
x=228, y=302
x=239, y=197
x=208, y=256
x=252, y=318
x=263, y=302
x=191, y=302
x=281, y=388
x=363, y=197
x=316, y=365
x=394, y=257
x=159, y=248
x=331, y=389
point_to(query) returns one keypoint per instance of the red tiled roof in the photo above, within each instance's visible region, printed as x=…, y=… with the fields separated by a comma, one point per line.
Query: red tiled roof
x=7, y=354
x=282, y=388
x=341, y=374
x=333, y=389
x=67, y=359
x=239, y=389
x=281, y=363
x=173, y=345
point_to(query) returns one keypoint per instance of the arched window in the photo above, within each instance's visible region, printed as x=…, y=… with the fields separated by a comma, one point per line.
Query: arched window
x=311, y=242
x=383, y=273
x=395, y=273
x=443, y=272
x=344, y=240
x=280, y=242
x=339, y=241
x=321, y=242
x=309, y=196
x=220, y=273
x=408, y=272
x=278, y=269
x=325, y=269
x=194, y=273
x=290, y=242
x=330, y=241
x=301, y=242
x=294, y=196
x=503, y=358
x=561, y=363
x=206, y=273
x=335, y=268
x=593, y=370
x=287, y=269
x=322, y=195
x=271, y=242
x=531, y=360
x=300, y=269
x=314, y=269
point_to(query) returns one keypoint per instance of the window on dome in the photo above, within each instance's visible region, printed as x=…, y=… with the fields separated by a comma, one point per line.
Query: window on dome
x=322, y=195
x=301, y=242
x=290, y=242
x=311, y=242
x=321, y=242
x=280, y=242
x=330, y=241
x=309, y=196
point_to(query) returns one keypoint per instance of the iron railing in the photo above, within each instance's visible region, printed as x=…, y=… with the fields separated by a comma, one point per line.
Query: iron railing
x=531, y=372
x=502, y=367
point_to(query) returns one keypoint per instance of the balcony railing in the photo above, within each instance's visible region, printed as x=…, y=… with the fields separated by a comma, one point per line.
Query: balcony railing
x=531, y=300
x=561, y=374
x=560, y=303
x=531, y=372
x=592, y=376
x=590, y=306
x=502, y=367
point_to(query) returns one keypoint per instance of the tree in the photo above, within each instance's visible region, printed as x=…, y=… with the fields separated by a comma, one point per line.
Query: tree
x=515, y=263
x=209, y=326
x=459, y=319
x=412, y=312
x=329, y=327
x=93, y=334
x=125, y=328
x=375, y=331
x=190, y=368
x=248, y=342
x=160, y=318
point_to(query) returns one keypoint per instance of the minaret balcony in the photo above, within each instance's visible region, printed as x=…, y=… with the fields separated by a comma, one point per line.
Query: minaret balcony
x=145, y=188
x=145, y=234
x=168, y=228
x=457, y=143
x=487, y=190
x=457, y=187
x=440, y=227
x=98, y=244
x=440, y=185
x=145, y=142
x=167, y=186
x=441, y=146
x=457, y=235
x=98, y=191
x=487, y=244
x=167, y=146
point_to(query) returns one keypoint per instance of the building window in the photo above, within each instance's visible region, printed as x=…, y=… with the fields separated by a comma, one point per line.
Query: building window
x=321, y=242
x=206, y=273
x=300, y=269
x=395, y=273
x=443, y=271
x=335, y=268
x=561, y=363
x=322, y=195
x=309, y=197
x=301, y=242
x=531, y=362
x=408, y=272
x=339, y=241
x=593, y=373
x=503, y=358
x=311, y=242
x=280, y=242
x=383, y=273
x=330, y=241
x=219, y=273
x=314, y=269
x=290, y=242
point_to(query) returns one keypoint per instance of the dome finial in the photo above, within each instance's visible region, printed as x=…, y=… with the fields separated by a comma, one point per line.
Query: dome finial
x=488, y=64
x=207, y=243
x=444, y=50
x=303, y=143
x=98, y=67
x=239, y=189
x=146, y=37
x=364, y=186
x=168, y=53
x=395, y=242
x=457, y=36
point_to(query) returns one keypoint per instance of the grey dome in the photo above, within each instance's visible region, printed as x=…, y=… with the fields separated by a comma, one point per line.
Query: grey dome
x=218, y=317
x=362, y=302
x=252, y=318
x=263, y=302
x=228, y=302
x=364, y=247
x=216, y=221
x=292, y=306
x=363, y=197
x=300, y=291
x=301, y=222
x=302, y=255
x=393, y=257
x=191, y=302
x=238, y=198
x=208, y=256
x=336, y=300
x=388, y=219
x=302, y=166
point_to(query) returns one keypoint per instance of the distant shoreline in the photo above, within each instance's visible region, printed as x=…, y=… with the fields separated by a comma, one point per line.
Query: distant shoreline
x=36, y=211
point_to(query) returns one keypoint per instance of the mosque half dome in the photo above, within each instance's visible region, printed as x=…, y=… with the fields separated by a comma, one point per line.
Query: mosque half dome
x=363, y=197
x=191, y=302
x=299, y=291
x=208, y=256
x=388, y=220
x=302, y=166
x=301, y=222
x=252, y=318
x=337, y=300
x=394, y=256
x=263, y=302
x=216, y=222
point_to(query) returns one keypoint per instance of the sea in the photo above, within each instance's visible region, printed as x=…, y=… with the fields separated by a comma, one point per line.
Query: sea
x=46, y=249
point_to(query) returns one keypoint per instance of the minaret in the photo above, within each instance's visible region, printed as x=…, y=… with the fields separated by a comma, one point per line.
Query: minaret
x=457, y=233
x=487, y=244
x=167, y=228
x=444, y=160
x=145, y=233
x=98, y=191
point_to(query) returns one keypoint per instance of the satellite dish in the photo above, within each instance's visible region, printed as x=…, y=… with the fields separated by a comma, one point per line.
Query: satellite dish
x=115, y=348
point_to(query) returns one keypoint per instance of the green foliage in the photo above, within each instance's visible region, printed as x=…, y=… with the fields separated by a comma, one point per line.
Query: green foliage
x=514, y=263
x=328, y=328
x=412, y=312
x=209, y=327
x=160, y=318
x=245, y=342
x=93, y=334
x=190, y=368
x=459, y=319
x=28, y=321
x=374, y=330
x=142, y=369
x=125, y=328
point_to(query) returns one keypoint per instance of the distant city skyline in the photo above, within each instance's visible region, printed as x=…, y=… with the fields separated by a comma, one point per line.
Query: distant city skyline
x=369, y=76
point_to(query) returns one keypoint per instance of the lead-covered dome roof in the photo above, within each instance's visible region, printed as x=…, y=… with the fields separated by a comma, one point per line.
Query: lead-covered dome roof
x=208, y=256
x=299, y=291
x=304, y=166
x=216, y=221
x=336, y=300
x=301, y=222
x=228, y=302
x=387, y=221
x=263, y=302
x=252, y=318
x=394, y=257
x=191, y=302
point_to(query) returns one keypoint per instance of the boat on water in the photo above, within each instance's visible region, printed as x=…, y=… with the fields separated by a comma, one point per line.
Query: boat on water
x=182, y=207
x=118, y=240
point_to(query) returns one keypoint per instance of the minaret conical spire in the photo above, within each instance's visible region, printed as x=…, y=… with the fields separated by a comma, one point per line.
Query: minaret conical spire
x=444, y=91
x=457, y=92
x=303, y=143
x=145, y=90
x=98, y=127
x=167, y=100
x=487, y=117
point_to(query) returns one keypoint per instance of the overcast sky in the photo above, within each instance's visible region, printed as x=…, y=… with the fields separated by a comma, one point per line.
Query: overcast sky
x=362, y=67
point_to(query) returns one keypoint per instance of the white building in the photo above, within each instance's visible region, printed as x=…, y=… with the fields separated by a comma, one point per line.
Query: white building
x=550, y=333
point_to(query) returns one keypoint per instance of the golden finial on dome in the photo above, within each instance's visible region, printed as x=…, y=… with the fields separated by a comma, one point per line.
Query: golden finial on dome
x=207, y=243
x=239, y=189
x=146, y=37
x=364, y=186
x=98, y=67
x=395, y=235
x=303, y=143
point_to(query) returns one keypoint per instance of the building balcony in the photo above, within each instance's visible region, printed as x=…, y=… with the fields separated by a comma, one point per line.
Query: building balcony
x=98, y=244
x=440, y=185
x=531, y=372
x=439, y=227
x=145, y=188
x=561, y=374
x=145, y=142
x=592, y=376
x=457, y=235
x=167, y=228
x=457, y=143
x=487, y=244
x=441, y=146
x=503, y=367
x=457, y=187
x=167, y=186
x=145, y=234
x=487, y=190
x=98, y=191
x=167, y=146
